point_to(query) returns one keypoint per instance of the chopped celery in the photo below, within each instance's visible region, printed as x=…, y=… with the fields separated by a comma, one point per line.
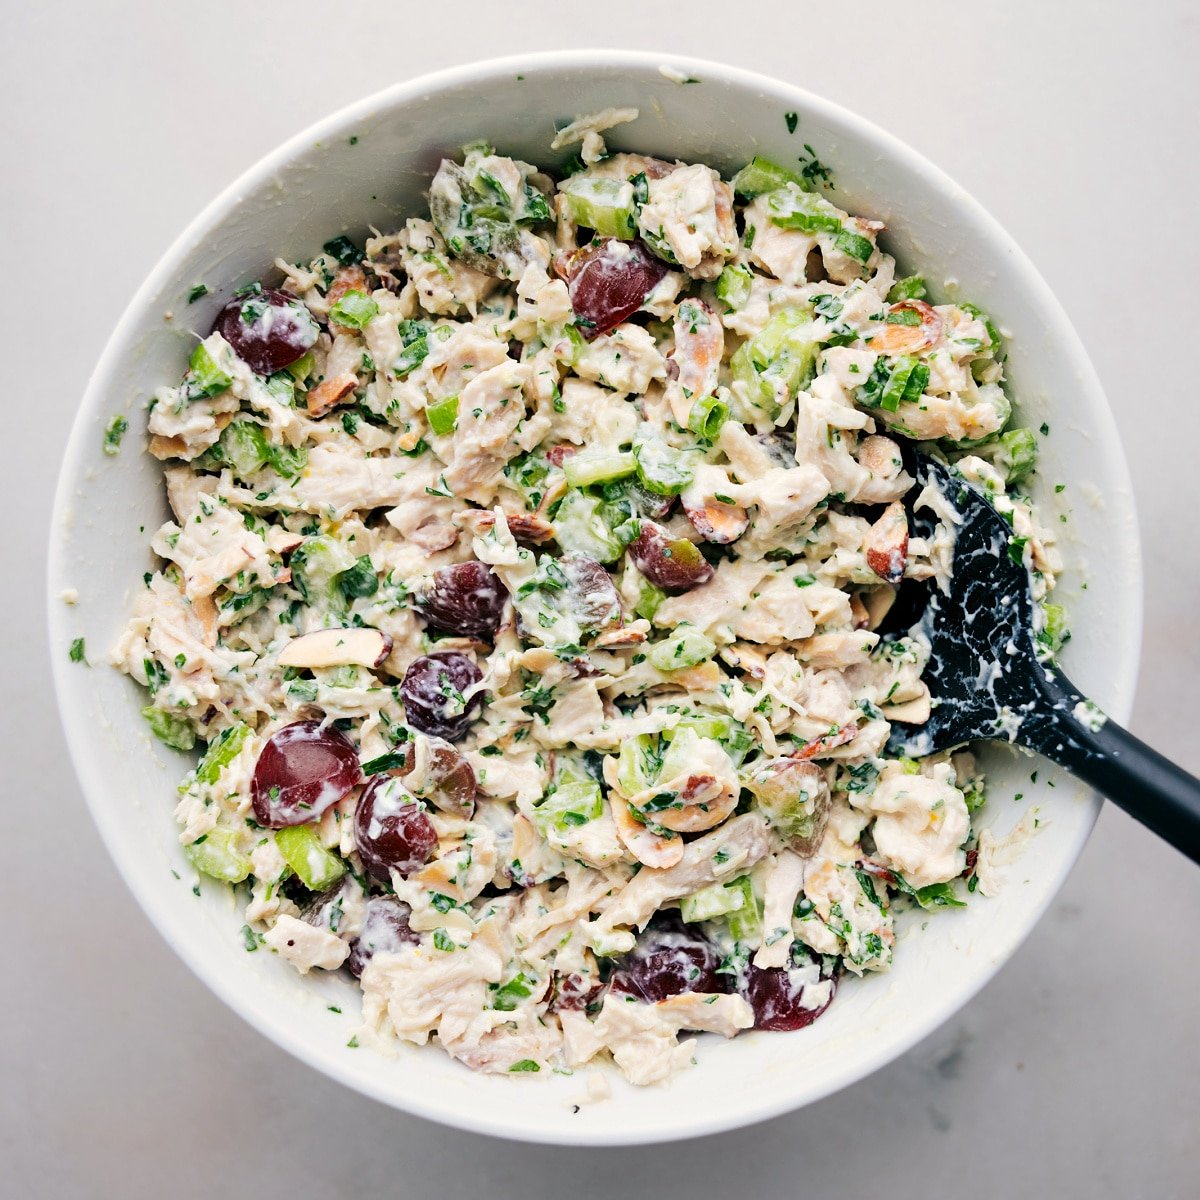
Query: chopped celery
x=243, y=446
x=992, y=332
x=605, y=205
x=315, y=563
x=854, y=244
x=893, y=382
x=282, y=389
x=708, y=414
x=1018, y=453
x=221, y=752
x=780, y=358
x=354, y=309
x=718, y=727
x=680, y=753
x=215, y=854
x=716, y=900
x=661, y=469
x=637, y=764
x=580, y=527
x=289, y=461
x=172, y=730
x=598, y=466
x=910, y=288
x=204, y=377
x=1054, y=631
x=302, y=367
x=745, y=921
x=648, y=597
x=685, y=648
x=573, y=803
x=315, y=867
x=443, y=416
x=733, y=286
x=760, y=175
x=793, y=207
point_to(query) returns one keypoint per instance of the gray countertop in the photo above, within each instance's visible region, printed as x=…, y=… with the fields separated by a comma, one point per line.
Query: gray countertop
x=1074, y=1072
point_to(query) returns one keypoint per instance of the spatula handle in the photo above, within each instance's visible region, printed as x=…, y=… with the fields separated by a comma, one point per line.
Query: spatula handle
x=1098, y=751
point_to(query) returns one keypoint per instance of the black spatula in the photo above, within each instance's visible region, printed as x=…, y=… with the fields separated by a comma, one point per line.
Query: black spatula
x=987, y=681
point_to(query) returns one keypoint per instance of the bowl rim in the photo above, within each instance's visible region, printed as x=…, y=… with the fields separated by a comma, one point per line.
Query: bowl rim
x=489, y=1121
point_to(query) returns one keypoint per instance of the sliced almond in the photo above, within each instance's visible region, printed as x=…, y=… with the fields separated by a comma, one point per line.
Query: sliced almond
x=912, y=712
x=329, y=393
x=647, y=847
x=886, y=544
x=821, y=746
x=337, y=648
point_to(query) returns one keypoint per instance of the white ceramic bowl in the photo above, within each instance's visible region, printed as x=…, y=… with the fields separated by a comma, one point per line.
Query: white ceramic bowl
x=320, y=184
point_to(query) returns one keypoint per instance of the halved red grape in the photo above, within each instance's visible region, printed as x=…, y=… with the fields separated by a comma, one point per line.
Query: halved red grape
x=609, y=280
x=447, y=781
x=464, y=599
x=573, y=991
x=673, y=564
x=778, y=994
x=434, y=691
x=303, y=770
x=385, y=930
x=668, y=959
x=268, y=329
x=391, y=830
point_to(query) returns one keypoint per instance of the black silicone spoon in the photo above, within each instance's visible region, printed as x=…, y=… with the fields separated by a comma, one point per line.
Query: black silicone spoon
x=988, y=682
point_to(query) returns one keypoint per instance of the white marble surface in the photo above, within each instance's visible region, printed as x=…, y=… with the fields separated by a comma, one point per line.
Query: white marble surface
x=1075, y=1071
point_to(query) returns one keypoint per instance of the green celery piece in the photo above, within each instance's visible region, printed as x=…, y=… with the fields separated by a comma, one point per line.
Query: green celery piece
x=606, y=205
x=218, y=857
x=707, y=416
x=783, y=352
x=443, y=416
x=315, y=563
x=745, y=921
x=289, y=461
x=661, y=469
x=570, y=804
x=760, y=175
x=315, y=866
x=1018, y=453
x=221, y=752
x=354, y=309
x=906, y=382
x=910, y=288
x=854, y=244
x=204, y=377
x=598, y=466
x=1054, y=631
x=733, y=286
x=680, y=753
x=719, y=728
x=580, y=527
x=793, y=207
x=637, y=764
x=685, y=648
x=244, y=447
x=174, y=731
x=716, y=900
x=302, y=367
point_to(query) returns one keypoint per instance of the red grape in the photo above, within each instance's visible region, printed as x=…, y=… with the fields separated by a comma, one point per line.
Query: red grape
x=593, y=595
x=609, y=280
x=268, y=329
x=391, y=830
x=303, y=770
x=674, y=565
x=434, y=694
x=464, y=599
x=385, y=930
x=668, y=959
x=777, y=993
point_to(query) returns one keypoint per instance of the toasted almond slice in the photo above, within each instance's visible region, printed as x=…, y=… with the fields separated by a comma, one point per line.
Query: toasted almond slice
x=648, y=848
x=912, y=712
x=337, y=648
x=901, y=335
x=350, y=278
x=821, y=746
x=886, y=544
x=205, y=611
x=329, y=393
x=409, y=439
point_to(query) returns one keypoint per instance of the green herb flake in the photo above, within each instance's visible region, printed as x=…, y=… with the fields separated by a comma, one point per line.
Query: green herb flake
x=113, y=434
x=200, y=289
x=76, y=652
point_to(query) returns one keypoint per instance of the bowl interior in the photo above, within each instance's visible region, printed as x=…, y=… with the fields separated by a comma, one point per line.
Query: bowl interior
x=368, y=166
